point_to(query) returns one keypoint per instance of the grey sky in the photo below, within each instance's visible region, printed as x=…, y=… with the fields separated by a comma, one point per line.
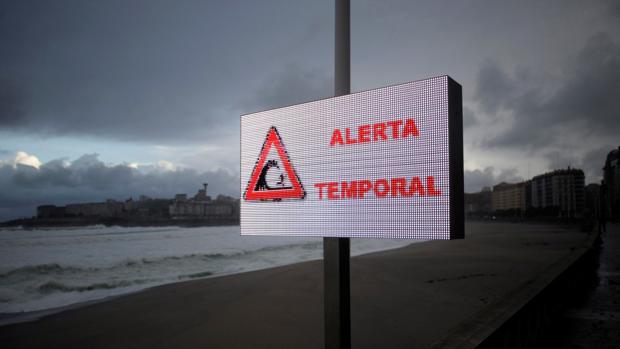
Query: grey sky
x=144, y=81
x=141, y=70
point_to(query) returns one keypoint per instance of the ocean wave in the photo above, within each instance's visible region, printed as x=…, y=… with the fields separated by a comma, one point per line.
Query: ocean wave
x=196, y=275
x=55, y=270
x=69, y=267
x=42, y=269
x=55, y=286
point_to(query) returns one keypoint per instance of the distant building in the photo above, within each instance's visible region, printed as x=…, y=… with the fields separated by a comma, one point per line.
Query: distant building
x=611, y=177
x=180, y=197
x=560, y=191
x=156, y=208
x=51, y=211
x=478, y=204
x=592, y=203
x=110, y=208
x=528, y=195
x=201, y=205
x=509, y=196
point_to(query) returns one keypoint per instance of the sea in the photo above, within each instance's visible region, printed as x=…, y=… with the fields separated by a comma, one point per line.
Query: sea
x=52, y=269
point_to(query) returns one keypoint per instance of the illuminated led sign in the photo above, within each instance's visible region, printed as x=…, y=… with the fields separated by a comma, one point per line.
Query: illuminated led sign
x=383, y=163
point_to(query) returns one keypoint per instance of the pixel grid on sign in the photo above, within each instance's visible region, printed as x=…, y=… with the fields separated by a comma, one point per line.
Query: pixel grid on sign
x=383, y=163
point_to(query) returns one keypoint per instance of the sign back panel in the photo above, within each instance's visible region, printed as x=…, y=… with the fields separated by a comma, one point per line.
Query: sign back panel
x=383, y=163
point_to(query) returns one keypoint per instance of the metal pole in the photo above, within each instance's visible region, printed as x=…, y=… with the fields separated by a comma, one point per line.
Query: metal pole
x=336, y=251
x=342, y=76
x=337, y=293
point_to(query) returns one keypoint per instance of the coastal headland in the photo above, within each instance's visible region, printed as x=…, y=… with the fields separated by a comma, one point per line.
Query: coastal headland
x=418, y=296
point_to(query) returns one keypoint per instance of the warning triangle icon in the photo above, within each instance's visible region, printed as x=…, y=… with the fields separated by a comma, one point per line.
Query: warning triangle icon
x=273, y=177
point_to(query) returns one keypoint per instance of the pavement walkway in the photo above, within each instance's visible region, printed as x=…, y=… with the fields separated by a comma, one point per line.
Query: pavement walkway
x=594, y=320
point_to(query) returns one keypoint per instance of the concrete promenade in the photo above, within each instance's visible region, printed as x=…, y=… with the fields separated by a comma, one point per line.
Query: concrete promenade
x=593, y=321
x=422, y=295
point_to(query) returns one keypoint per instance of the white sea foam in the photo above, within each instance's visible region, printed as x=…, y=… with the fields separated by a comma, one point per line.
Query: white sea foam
x=43, y=269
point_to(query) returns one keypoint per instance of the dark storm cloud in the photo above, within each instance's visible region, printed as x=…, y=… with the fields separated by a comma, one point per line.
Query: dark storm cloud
x=614, y=7
x=12, y=102
x=88, y=179
x=591, y=162
x=469, y=119
x=146, y=70
x=291, y=85
x=495, y=88
x=583, y=103
x=477, y=179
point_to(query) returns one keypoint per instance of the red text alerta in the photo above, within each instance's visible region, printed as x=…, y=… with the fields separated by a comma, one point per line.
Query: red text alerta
x=381, y=131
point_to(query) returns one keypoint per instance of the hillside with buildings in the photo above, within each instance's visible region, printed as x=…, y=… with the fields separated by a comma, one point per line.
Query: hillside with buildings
x=198, y=210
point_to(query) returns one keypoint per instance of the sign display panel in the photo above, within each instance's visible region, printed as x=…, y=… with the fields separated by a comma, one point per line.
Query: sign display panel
x=383, y=163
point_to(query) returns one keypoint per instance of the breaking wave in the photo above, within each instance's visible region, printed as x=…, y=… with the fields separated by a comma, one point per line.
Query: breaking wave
x=143, y=271
x=46, y=280
x=54, y=286
x=42, y=270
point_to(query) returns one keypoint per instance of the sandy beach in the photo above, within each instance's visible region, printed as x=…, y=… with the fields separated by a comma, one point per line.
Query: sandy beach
x=408, y=297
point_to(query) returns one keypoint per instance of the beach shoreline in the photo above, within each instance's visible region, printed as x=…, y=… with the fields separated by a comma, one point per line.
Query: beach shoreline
x=410, y=296
x=7, y=318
